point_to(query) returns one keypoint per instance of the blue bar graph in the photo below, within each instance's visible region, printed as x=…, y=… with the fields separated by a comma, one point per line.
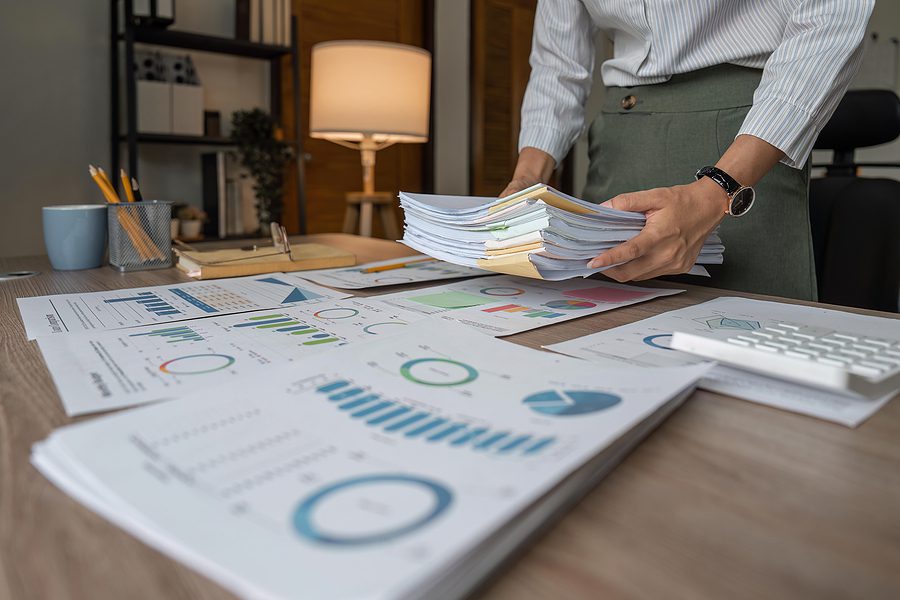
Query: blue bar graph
x=398, y=417
x=182, y=333
x=148, y=301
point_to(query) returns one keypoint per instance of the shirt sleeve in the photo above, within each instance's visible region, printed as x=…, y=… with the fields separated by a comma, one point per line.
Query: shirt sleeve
x=562, y=64
x=806, y=76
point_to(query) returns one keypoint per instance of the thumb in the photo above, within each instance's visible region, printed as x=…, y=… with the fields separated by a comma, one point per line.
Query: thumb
x=632, y=202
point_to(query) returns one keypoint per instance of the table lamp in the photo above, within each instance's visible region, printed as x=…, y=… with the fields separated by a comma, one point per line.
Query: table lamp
x=368, y=95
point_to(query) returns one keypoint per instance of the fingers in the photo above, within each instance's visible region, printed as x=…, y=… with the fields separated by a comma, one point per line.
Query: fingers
x=636, y=201
x=516, y=185
x=624, y=252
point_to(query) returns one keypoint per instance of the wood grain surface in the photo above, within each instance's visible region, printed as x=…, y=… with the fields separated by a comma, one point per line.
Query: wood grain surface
x=727, y=499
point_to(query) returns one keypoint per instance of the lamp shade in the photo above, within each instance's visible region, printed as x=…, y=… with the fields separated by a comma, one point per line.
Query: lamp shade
x=369, y=89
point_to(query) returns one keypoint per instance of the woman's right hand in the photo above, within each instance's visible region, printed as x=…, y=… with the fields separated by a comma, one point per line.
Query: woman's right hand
x=534, y=166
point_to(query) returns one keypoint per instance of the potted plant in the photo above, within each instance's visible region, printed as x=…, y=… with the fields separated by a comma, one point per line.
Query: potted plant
x=191, y=219
x=264, y=154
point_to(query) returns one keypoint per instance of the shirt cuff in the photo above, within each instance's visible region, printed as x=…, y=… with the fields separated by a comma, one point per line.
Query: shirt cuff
x=789, y=128
x=554, y=142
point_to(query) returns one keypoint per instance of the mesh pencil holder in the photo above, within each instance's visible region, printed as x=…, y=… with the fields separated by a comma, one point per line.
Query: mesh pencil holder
x=139, y=235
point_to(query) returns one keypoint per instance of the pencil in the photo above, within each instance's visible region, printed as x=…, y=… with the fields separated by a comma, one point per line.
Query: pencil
x=393, y=266
x=107, y=190
x=137, y=190
x=129, y=194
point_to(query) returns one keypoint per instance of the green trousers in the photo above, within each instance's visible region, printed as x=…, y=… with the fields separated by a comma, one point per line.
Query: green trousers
x=673, y=129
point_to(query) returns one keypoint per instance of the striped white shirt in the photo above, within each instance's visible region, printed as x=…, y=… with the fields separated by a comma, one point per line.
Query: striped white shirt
x=808, y=50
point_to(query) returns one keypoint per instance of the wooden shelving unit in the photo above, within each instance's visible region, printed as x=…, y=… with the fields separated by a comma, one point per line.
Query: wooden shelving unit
x=123, y=38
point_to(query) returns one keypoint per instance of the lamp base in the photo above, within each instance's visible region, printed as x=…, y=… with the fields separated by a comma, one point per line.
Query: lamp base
x=360, y=209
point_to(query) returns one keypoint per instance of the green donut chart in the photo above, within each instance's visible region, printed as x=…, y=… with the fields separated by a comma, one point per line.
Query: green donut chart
x=438, y=372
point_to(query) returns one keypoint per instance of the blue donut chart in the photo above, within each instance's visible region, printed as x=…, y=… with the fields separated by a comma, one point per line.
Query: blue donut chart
x=303, y=521
x=655, y=341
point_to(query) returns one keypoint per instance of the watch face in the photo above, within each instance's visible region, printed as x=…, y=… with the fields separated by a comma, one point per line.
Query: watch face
x=742, y=201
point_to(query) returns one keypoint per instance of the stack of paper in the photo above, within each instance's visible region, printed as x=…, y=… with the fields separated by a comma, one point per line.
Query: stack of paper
x=538, y=232
x=395, y=469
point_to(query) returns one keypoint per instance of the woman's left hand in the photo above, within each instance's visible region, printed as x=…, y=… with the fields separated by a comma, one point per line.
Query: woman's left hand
x=679, y=219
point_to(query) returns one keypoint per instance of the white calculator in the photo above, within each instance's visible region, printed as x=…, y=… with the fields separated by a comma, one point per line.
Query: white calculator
x=812, y=355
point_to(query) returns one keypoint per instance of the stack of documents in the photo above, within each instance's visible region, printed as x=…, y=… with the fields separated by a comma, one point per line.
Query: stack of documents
x=395, y=469
x=538, y=232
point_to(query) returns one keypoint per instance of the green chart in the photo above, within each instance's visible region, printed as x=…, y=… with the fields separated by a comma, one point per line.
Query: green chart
x=286, y=325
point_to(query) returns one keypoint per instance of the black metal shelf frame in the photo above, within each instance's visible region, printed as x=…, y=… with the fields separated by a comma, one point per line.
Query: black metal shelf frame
x=132, y=34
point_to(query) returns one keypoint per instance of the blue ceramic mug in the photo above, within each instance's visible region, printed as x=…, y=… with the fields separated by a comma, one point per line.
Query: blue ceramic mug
x=75, y=235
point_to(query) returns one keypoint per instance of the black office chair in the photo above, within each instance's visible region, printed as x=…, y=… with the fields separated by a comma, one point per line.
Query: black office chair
x=856, y=220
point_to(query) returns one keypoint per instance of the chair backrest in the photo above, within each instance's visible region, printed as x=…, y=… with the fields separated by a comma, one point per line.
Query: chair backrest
x=856, y=221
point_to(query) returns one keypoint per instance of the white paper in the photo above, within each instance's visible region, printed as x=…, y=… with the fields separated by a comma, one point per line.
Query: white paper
x=504, y=305
x=105, y=370
x=116, y=309
x=289, y=488
x=645, y=344
x=409, y=269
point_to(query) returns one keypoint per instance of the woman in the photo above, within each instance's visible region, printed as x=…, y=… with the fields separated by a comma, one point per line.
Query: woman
x=744, y=87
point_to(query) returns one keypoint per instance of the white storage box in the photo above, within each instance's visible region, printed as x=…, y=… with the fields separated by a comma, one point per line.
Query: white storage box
x=154, y=107
x=187, y=109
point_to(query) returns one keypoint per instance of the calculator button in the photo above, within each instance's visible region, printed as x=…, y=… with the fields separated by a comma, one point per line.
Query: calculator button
x=865, y=348
x=776, y=330
x=855, y=353
x=805, y=336
x=851, y=338
x=843, y=359
x=791, y=327
x=788, y=340
x=808, y=351
x=738, y=342
x=832, y=362
x=762, y=334
x=776, y=345
x=793, y=354
x=880, y=343
x=821, y=347
x=766, y=348
x=864, y=370
x=833, y=342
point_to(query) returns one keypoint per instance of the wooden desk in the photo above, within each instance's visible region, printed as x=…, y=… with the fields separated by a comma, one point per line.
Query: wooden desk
x=727, y=499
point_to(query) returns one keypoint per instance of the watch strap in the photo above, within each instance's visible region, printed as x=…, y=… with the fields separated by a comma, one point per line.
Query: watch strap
x=723, y=179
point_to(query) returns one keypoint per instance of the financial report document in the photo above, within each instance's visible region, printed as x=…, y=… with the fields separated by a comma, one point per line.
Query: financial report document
x=396, y=271
x=104, y=370
x=646, y=344
x=370, y=471
x=116, y=309
x=504, y=305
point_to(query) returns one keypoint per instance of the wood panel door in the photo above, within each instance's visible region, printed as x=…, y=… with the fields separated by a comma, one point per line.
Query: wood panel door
x=501, y=44
x=332, y=170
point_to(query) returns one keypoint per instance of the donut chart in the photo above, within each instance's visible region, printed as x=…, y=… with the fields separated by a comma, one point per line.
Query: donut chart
x=502, y=291
x=569, y=304
x=660, y=340
x=197, y=364
x=323, y=516
x=438, y=372
x=333, y=314
x=570, y=403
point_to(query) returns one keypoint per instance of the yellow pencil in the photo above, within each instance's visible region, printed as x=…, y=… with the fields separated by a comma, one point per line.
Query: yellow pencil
x=107, y=190
x=126, y=183
x=393, y=266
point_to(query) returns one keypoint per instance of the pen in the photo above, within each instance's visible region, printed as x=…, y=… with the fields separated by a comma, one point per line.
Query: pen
x=396, y=265
x=137, y=190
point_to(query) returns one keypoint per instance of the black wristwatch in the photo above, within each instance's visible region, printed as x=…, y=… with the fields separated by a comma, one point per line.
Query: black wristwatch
x=740, y=197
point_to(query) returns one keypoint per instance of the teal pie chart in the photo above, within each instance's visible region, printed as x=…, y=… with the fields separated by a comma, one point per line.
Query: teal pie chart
x=558, y=403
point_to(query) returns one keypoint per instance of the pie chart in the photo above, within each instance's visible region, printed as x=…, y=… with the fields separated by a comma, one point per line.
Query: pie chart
x=558, y=403
x=570, y=304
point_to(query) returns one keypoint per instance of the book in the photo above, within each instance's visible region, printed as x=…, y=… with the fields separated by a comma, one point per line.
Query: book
x=538, y=232
x=237, y=262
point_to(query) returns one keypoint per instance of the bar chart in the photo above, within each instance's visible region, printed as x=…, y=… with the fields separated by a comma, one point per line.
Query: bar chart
x=524, y=311
x=392, y=417
x=174, y=335
x=286, y=325
x=149, y=301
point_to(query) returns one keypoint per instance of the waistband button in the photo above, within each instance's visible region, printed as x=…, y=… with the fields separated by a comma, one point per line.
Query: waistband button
x=629, y=102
